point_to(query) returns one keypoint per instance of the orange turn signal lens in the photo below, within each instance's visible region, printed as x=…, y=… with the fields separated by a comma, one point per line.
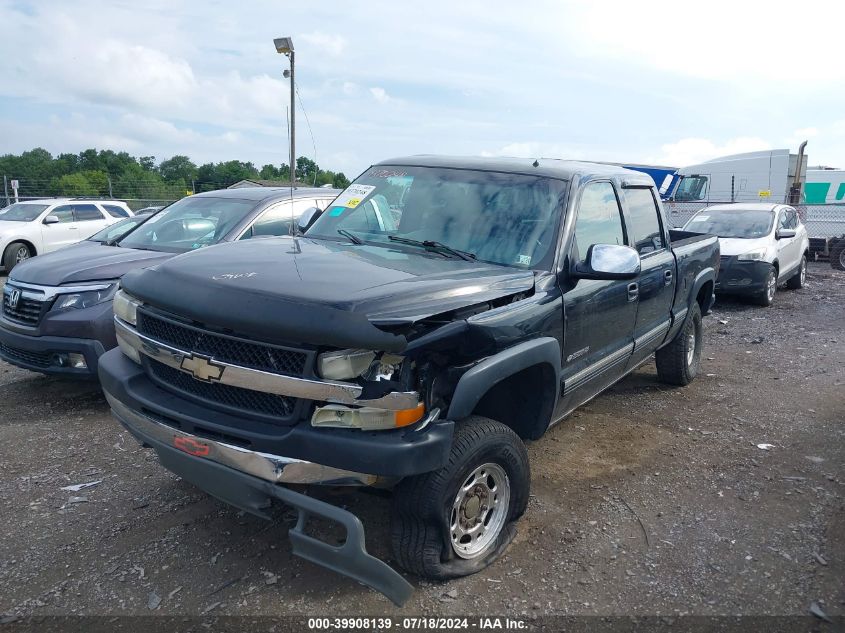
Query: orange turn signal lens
x=406, y=417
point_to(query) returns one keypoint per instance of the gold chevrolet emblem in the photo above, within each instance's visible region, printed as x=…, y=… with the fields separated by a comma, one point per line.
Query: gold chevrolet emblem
x=201, y=368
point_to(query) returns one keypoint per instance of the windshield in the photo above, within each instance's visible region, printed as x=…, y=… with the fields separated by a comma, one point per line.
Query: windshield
x=189, y=224
x=741, y=223
x=691, y=188
x=116, y=230
x=501, y=218
x=22, y=212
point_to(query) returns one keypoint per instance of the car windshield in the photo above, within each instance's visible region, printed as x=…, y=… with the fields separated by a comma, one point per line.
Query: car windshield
x=739, y=223
x=188, y=224
x=501, y=218
x=22, y=212
x=117, y=230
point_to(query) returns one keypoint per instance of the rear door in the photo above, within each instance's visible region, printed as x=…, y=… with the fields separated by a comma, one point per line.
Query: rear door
x=63, y=232
x=657, y=277
x=90, y=219
x=598, y=315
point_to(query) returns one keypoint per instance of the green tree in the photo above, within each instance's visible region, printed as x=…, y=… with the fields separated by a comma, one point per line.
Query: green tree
x=177, y=168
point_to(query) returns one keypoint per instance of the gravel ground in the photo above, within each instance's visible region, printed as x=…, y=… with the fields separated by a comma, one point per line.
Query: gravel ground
x=649, y=500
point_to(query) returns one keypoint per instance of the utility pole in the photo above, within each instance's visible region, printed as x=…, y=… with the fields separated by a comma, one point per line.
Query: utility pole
x=284, y=46
x=6, y=189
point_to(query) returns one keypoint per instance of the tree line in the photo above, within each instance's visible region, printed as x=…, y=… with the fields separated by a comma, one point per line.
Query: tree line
x=105, y=173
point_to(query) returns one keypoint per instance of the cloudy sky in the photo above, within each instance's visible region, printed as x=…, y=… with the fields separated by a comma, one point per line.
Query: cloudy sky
x=649, y=82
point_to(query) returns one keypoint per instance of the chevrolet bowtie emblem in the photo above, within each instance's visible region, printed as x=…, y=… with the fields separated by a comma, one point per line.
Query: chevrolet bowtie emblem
x=202, y=368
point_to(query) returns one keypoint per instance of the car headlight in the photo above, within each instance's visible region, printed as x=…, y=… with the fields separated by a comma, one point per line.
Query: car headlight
x=85, y=299
x=757, y=255
x=352, y=363
x=126, y=307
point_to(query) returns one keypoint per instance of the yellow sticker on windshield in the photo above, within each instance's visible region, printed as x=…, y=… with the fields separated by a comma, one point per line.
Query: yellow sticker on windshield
x=353, y=202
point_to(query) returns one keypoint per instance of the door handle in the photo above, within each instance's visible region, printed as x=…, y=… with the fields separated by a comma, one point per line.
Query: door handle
x=633, y=291
x=667, y=277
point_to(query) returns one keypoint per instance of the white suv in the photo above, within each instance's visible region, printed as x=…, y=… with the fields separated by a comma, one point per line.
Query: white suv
x=34, y=227
x=762, y=245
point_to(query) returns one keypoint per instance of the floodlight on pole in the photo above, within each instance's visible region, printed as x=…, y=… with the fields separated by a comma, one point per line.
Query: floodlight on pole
x=284, y=46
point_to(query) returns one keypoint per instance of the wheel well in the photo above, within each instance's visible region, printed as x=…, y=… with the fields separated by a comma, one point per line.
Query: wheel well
x=522, y=401
x=704, y=294
x=777, y=266
x=29, y=245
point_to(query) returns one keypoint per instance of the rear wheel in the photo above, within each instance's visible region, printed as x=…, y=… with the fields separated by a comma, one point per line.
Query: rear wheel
x=837, y=255
x=15, y=253
x=767, y=295
x=797, y=280
x=457, y=520
x=678, y=362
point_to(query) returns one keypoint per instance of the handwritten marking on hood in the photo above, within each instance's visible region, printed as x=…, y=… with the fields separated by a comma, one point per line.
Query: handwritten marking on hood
x=223, y=276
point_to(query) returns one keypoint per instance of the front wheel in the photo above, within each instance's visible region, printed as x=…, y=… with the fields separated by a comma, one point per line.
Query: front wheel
x=797, y=280
x=15, y=253
x=837, y=255
x=457, y=520
x=770, y=286
x=678, y=362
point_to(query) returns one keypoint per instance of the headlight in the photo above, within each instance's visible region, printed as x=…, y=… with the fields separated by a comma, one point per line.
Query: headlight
x=126, y=307
x=345, y=364
x=366, y=419
x=757, y=255
x=352, y=363
x=85, y=299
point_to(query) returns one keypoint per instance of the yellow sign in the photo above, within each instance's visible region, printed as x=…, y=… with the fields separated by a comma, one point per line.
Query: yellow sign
x=764, y=194
x=189, y=193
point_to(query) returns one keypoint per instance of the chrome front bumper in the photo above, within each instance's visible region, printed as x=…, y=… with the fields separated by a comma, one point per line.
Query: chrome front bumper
x=131, y=341
x=272, y=468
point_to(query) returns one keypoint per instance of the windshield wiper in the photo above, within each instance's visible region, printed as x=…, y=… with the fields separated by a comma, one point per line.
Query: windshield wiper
x=351, y=236
x=436, y=246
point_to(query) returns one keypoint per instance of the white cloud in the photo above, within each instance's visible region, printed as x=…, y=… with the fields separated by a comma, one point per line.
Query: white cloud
x=331, y=44
x=380, y=94
x=690, y=151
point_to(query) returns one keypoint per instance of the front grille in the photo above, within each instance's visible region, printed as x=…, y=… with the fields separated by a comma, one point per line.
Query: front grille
x=38, y=359
x=28, y=311
x=228, y=349
x=234, y=398
x=725, y=258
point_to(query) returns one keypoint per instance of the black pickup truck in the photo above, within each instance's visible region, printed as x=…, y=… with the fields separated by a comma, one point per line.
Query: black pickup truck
x=415, y=348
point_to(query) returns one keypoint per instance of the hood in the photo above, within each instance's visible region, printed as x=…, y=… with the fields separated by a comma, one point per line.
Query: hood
x=13, y=226
x=732, y=246
x=320, y=292
x=85, y=261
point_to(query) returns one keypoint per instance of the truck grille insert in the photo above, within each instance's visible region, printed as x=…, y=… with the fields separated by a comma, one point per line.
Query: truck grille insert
x=235, y=398
x=270, y=358
x=27, y=312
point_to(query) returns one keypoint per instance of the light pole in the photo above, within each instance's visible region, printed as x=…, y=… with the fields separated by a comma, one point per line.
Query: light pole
x=284, y=46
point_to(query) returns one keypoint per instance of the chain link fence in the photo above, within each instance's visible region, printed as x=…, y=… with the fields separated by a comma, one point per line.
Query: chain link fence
x=133, y=203
x=821, y=220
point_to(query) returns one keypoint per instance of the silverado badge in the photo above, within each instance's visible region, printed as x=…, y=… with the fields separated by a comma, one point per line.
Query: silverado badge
x=202, y=368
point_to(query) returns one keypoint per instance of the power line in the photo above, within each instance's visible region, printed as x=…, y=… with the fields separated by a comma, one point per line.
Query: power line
x=308, y=123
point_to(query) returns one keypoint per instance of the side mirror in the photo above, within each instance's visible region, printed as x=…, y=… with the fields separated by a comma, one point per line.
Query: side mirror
x=783, y=234
x=51, y=219
x=609, y=261
x=308, y=217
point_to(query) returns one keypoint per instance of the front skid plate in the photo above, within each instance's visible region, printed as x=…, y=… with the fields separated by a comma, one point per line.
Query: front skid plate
x=253, y=495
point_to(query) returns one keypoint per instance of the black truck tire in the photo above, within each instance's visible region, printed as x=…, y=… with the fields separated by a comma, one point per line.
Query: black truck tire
x=15, y=253
x=679, y=361
x=797, y=280
x=837, y=254
x=478, y=495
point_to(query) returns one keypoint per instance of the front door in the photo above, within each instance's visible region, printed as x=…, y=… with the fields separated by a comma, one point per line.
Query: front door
x=657, y=275
x=61, y=233
x=598, y=315
x=789, y=248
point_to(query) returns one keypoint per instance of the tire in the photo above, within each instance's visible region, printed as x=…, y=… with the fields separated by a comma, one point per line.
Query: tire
x=767, y=295
x=837, y=255
x=797, y=280
x=430, y=511
x=15, y=253
x=679, y=361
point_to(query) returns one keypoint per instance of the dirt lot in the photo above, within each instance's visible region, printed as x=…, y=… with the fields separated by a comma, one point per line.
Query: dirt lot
x=650, y=500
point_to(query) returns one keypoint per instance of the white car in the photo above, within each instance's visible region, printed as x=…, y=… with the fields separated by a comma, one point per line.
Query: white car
x=762, y=245
x=34, y=227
